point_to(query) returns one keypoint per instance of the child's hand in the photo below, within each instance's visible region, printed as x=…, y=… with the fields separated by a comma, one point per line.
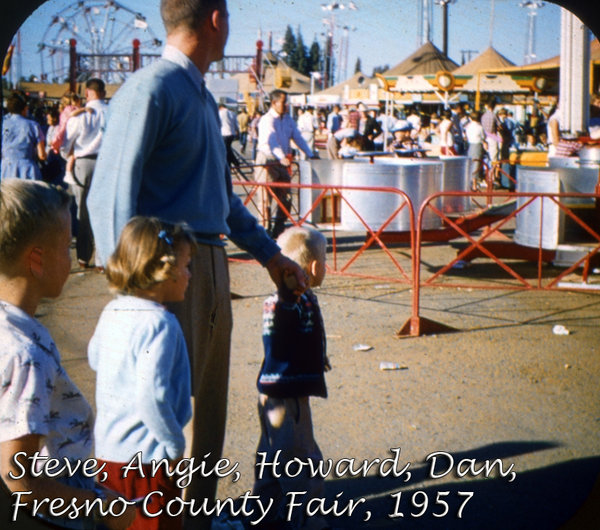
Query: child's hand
x=327, y=364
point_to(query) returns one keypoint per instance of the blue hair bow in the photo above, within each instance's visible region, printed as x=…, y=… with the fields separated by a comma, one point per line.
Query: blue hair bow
x=165, y=237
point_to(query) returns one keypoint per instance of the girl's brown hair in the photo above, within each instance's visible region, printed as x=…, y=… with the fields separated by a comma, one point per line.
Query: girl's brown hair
x=146, y=253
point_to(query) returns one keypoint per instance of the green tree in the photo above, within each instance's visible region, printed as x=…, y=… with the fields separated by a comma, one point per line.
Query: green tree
x=289, y=46
x=380, y=69
x=300, y=56
x=357, y=66
x=315, y=59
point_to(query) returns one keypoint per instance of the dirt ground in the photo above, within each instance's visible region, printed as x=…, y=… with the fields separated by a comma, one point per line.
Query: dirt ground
x=503, y=390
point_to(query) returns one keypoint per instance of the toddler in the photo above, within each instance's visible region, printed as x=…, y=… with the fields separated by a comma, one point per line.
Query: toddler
x=293, y=367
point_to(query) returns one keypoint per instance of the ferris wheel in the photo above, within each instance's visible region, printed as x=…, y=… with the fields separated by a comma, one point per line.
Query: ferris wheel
x=104, y=33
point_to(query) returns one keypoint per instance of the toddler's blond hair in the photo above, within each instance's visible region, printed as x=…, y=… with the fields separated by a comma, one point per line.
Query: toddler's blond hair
x=303, y=245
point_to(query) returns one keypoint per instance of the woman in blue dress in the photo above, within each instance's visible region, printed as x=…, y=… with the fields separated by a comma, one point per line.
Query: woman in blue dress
x=22, y=142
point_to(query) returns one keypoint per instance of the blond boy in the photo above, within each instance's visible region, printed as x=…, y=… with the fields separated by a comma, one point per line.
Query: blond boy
x=41, y=410
x=292, y=371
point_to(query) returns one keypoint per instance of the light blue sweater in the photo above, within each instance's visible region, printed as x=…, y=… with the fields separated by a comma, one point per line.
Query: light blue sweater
x=162, y=154
x=142, y=381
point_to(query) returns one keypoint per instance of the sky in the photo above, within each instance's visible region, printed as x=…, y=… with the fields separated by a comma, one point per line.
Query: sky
x=380, y=32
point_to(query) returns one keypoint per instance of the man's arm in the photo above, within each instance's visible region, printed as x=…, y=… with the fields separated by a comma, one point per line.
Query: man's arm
x=247, y=234
x=71, y=133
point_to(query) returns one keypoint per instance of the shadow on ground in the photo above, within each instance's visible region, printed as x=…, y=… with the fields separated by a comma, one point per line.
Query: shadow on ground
x=543, y=498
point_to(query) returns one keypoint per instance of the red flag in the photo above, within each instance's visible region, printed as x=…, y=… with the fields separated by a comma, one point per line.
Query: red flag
x=8, y=59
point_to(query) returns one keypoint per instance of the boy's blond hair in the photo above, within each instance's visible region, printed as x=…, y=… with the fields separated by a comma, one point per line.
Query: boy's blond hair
x=146, y=254
x=29, y=211
x=303, y=245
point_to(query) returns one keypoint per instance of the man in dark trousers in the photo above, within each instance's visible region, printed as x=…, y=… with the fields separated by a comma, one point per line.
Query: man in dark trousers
x=163, y=155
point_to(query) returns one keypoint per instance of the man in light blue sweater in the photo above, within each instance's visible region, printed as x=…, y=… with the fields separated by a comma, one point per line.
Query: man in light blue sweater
x=163, y=155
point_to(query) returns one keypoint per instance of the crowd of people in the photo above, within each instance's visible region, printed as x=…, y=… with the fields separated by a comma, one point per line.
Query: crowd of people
x=488, y=136
x=339, y=131
x=58, y=144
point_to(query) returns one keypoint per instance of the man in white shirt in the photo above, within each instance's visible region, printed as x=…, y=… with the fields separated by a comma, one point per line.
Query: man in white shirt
x=274, y=158
x=307, y=124
x=83, y=137
x=229, y=131
x=476, y=138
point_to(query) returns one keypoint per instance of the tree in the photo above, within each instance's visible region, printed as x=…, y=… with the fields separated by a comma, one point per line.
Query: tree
x=289, y=46
x=315, y=59
x=300, y=56
x=380, y=69
x=357, y=66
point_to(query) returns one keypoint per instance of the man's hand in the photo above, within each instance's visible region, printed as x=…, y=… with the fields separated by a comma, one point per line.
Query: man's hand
x=280, y=267
x=286, y=162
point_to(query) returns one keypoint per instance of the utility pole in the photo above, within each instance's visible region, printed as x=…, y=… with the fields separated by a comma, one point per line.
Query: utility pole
x=532, y=6
x=444, y=4
x=425, y=17
x=467, y=54
x=329, y=62
x=492, y=24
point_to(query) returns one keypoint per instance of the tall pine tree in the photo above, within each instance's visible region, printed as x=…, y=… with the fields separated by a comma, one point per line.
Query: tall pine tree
x=357, y=66
x=315, y=61
x=300, y=56
x=289, y=46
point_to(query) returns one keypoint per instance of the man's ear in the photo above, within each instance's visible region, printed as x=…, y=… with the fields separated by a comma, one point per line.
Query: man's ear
x=215, y=19
x=36, y=261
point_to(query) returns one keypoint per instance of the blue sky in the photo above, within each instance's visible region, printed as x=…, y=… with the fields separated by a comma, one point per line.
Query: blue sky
x=382, y=31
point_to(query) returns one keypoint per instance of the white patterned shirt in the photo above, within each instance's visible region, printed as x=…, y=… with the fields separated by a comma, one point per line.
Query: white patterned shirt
x=36, y=394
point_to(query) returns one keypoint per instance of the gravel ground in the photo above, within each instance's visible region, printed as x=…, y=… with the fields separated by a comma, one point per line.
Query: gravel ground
x=503, y=389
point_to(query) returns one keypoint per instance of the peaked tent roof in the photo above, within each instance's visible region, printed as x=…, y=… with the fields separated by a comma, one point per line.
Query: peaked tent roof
x=549, y=64
x=354, y=82
x=490, y=58
x=426, y=60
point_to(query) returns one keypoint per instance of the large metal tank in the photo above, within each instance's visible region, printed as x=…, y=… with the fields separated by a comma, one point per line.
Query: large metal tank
x=553, y=225
x=456, y=176
x=327, y=172
x=418, y=178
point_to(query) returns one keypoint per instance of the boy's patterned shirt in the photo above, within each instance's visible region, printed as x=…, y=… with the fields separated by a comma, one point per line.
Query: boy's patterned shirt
x=36, y=394
x=295, y=348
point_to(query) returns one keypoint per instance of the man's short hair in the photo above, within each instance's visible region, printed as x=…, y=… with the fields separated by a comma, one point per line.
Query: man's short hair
x=16, y=103
x=95, y=84
x=303, y=245
x=29, y=209
x=187, y=13
x=277, y=94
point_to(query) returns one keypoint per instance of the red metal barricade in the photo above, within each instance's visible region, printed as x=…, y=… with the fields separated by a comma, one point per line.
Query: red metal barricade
x=481, y=234
x=339, y=193
x=499, y=249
